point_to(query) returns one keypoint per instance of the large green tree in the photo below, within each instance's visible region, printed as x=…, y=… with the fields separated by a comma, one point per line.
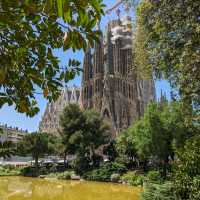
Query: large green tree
x=97, y=132
x=7, y=149
x=167, y=42
x=110, y=151
x=36, y=145
x=29, y=32
x=126, y=150
x=160, y=131
x=83, y=132
x=72, y=122
x=187, y=172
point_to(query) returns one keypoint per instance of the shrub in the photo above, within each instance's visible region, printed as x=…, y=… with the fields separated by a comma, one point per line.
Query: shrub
x=115, y=177
x=154, y=176
x=2, y=169
x=122, y=160
x=98, y=175
x=97, y=160
x=9, y=167
x=6, y=171
x=140, y=180
x=53, y=168
x=81, y=164
x=32, y=172
x=43, y=171
x=117, y=167
x=29, y=171
x=195, y=188
x=132, y=178
x=154, y=191
x=52, y=175
x=105, y=171
x=65, y=175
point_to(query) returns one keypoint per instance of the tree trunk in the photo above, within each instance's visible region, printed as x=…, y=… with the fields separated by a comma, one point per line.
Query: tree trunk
x=145, y=165
x=165, y=164
x=36, y=165
x=131, y=163
x=137, y=163
x=65, y=160
x=92, y=153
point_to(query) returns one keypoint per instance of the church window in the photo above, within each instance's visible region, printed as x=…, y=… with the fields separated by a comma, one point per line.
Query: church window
x=106, y=113
x=90, y=92
x=91, y=71
x=124, y=89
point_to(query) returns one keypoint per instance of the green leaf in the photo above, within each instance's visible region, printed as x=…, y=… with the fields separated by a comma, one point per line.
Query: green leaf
x=68, y=15
x=60, y=8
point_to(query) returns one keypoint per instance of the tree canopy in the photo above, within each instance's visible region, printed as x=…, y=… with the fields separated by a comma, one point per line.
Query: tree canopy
x=159, y=132
x=36, y=145
x=187, y=173
x=7, y=149
x=167, y=42
x=82, y=133
x=72, y=124
x=30, y=30
x=125, y=148
x=82, y=130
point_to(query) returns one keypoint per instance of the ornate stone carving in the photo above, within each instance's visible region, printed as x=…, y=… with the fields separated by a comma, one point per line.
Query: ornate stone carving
x=117, y=93
x=50, y=119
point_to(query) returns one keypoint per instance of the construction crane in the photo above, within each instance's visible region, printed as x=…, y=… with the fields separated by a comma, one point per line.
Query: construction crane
x=127, y=4
x=114, y=7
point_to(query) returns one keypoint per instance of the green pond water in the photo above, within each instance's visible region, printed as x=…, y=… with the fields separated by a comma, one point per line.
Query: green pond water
x=20, y=188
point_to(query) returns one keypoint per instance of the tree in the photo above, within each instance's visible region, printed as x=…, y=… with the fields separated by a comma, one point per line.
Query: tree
x=58, y=147
x=168, y=35
x=97, y=132
x=153, y=191
x=72, y=122
x=187, y=172
x=83, y=132
x=30, y=30
x=125, y=148
x=35, y=144
x=6, y=149
x=160, y=130
x=150, y=137
x=110, y=150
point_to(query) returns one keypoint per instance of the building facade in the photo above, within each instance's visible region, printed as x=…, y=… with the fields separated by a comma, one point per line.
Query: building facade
x=50, y=119
x=12, y=134
x=109, y=83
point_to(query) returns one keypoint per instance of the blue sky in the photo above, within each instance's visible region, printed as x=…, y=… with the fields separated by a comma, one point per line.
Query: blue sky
x=9, y=116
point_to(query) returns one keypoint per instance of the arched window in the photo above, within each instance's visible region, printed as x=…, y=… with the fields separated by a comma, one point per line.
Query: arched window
x=106, y=113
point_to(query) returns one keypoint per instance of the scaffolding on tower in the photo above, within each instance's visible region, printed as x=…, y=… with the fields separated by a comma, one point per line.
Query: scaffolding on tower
x=123, y=31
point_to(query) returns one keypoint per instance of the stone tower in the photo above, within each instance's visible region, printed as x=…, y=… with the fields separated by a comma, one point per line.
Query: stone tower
x=109, y=83
x=51, y=117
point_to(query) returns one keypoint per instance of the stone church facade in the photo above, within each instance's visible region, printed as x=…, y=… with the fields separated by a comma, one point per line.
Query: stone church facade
x=50, y=119
x=110, y=84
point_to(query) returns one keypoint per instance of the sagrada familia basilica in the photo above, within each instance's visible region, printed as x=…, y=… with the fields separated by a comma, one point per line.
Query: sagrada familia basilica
x=110, y=84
